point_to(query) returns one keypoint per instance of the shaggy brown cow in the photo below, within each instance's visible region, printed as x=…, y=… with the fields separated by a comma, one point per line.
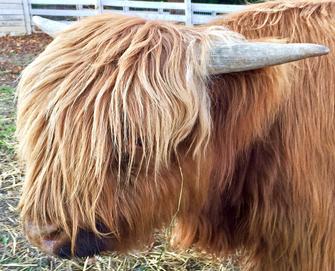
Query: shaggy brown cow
x=126, y=124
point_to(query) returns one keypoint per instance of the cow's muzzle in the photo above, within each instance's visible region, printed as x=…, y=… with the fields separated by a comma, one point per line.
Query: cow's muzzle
x=55, y=242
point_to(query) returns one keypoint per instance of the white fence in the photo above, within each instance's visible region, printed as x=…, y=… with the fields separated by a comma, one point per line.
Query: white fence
x=185, y=11
x=14, y=17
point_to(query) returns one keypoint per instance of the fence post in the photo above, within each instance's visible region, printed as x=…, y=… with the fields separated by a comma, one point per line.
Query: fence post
x=125, y=7
x=99, y=7
x=79, y=7
x=26, y=12
x=188, y=12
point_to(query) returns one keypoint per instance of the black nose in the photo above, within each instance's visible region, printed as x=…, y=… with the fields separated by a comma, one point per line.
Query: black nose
x=87, y=244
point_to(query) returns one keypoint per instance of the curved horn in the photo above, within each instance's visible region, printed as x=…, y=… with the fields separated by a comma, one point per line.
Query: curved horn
x=49, y=26
x=244, y=56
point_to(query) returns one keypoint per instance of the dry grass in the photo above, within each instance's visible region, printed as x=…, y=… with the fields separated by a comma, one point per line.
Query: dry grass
x=17, y=254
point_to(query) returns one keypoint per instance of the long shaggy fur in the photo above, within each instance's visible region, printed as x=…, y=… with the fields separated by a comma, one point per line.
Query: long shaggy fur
x=102, y=116
x=120, y=123
x=276, y=200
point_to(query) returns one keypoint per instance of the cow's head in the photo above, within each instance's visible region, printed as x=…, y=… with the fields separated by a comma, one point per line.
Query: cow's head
x=115, y=127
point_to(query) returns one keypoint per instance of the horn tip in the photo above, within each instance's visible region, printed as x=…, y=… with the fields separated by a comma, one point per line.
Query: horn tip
x=313, y=49
x=324, y=49
x=37, y=19
x=50, y=27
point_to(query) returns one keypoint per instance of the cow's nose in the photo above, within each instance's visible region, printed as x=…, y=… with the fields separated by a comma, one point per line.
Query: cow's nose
x=87, y=244
x=54, y=241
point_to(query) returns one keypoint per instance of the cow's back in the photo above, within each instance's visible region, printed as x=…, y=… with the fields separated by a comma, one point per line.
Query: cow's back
x=302, y=136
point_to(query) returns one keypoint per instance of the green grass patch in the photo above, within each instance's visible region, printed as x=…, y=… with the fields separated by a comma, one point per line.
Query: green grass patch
x=4, y=239
x=7, y=131
x=7, y=90
x=7, y=119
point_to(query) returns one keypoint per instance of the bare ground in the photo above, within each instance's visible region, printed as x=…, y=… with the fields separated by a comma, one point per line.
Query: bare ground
x=15, y=252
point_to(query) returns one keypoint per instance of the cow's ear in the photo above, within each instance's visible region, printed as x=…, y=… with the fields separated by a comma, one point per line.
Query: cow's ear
x=243, y=56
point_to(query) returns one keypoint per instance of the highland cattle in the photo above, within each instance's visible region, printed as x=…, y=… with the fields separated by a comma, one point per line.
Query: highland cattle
x=126, y=124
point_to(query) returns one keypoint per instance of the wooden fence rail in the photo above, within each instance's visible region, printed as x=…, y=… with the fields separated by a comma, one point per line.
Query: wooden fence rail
x=15, y=15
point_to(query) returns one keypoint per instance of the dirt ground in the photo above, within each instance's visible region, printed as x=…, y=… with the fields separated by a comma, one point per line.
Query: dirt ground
x=15, y=252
